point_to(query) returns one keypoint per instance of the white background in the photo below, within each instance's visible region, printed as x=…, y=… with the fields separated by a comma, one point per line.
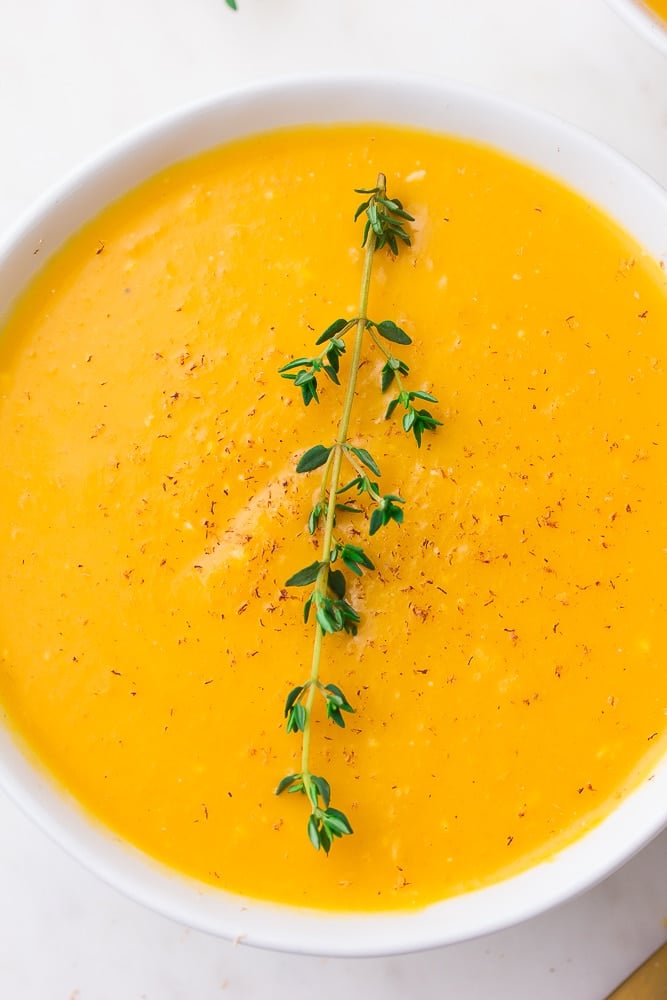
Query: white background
x=76, y=74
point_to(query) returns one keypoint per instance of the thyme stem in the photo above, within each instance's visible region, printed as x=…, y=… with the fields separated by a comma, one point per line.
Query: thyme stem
x=385, y=226
x=332, y=478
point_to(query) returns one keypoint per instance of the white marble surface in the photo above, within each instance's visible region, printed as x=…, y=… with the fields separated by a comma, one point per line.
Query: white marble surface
x=76, y=74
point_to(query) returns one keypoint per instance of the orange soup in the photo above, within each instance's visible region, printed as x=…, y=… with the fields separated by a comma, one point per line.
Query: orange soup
x=508, y=676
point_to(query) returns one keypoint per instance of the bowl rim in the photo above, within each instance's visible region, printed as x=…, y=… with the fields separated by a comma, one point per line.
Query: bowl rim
x=562, y=151
x=645, y=22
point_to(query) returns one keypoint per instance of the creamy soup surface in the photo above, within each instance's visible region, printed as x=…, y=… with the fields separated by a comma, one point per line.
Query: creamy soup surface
x=509, y=672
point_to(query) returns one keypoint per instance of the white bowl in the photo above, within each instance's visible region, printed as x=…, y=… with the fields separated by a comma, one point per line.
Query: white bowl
x=603, y=177
x=647, y=24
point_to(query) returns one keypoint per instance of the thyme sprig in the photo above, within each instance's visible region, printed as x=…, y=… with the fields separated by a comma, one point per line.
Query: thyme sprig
x=385, y=226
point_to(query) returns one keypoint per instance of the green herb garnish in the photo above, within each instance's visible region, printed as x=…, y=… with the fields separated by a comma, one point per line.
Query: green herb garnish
x=385, y=225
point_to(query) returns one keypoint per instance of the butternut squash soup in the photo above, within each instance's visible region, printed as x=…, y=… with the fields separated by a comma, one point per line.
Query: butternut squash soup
x=508, y=674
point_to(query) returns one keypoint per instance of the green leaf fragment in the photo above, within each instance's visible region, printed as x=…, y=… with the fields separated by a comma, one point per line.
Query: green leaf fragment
x=424, y=421
x=347, y=508
x=292, y=697
x=304, y=576
x=336, y=583
x=336, y=822
x=376, y=521
x=390, y=331
x=313, y=458
x=366, y=459
x=336, y=703
x=333, y=329
x=387, y=376
x=314, y=831
x=297, y=363
x=354, y=558
x=288, y=783
x=326, y=824
x=323, y=789
x=296, y=719
x=337, y=696
x=392, y=406
x=348, y=486
x=387, y=510
x=314, y=518
x=303, y=377
x=419, y=394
